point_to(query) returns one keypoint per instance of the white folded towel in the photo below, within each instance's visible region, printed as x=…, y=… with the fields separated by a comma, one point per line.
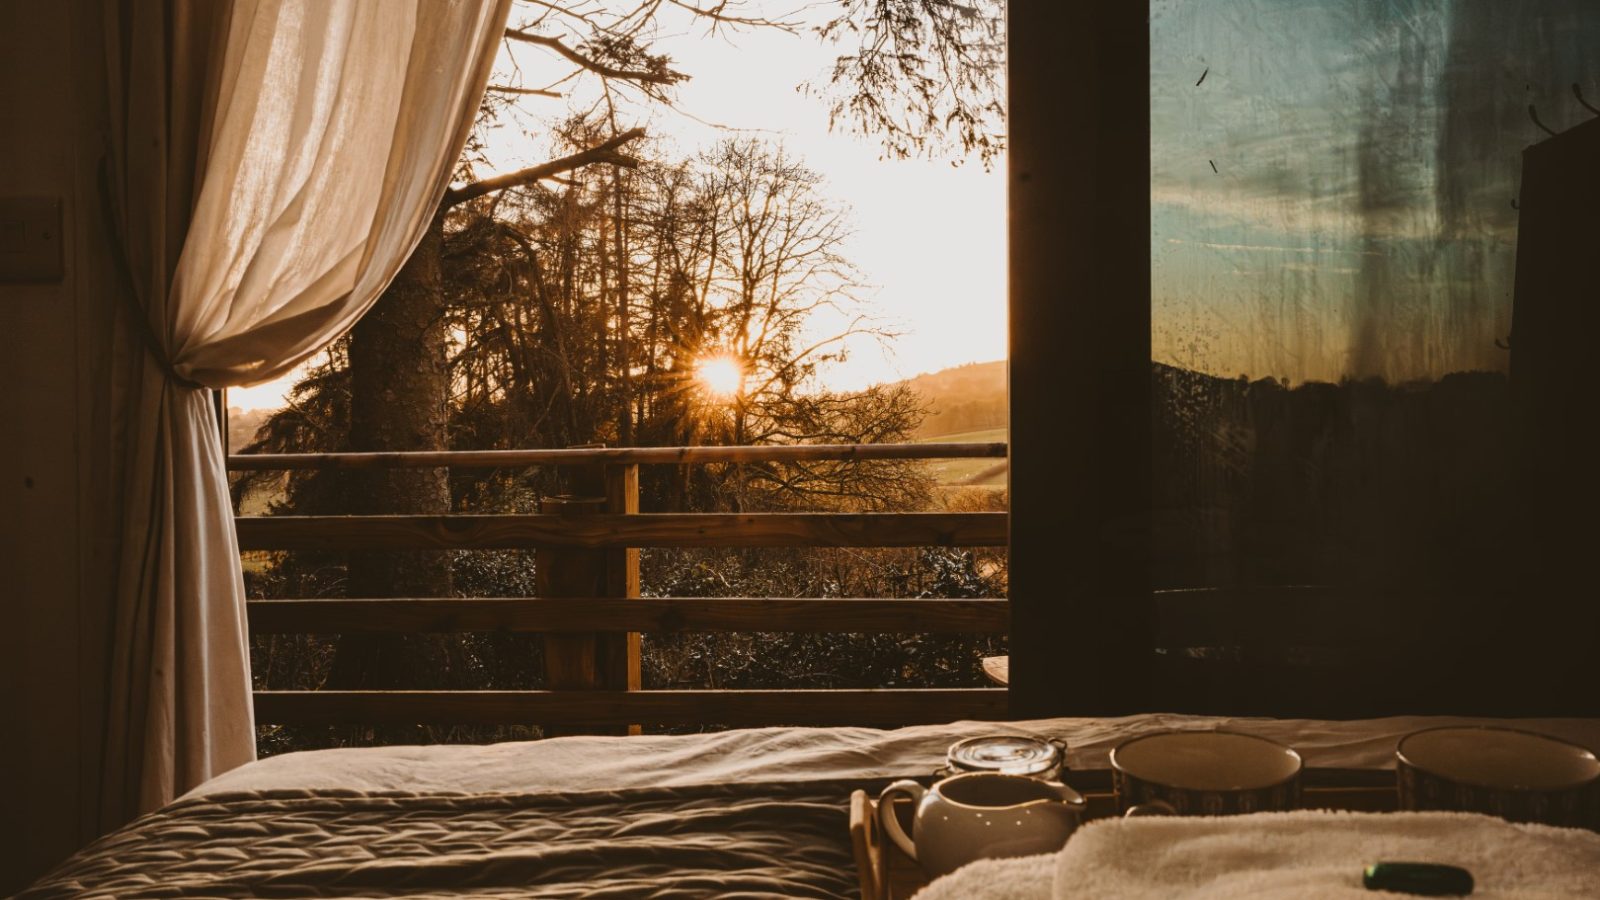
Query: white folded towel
x=1018, y=878
x=1286, y=855
x=1319, y=854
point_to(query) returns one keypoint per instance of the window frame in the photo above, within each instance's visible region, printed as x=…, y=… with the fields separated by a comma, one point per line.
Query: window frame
x=1078, y=181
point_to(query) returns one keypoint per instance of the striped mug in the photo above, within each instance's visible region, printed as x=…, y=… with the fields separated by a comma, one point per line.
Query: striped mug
x=1516, y=775
x=1204, y=773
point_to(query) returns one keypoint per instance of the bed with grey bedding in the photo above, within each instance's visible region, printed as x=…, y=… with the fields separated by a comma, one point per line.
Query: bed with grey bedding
x=749, y=813
x=743, y=840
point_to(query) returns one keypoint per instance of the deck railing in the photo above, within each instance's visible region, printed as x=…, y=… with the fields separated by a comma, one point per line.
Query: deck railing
x=589, y=606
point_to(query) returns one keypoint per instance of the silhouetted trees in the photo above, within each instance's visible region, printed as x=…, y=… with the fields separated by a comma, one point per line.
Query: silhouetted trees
x=578, y=301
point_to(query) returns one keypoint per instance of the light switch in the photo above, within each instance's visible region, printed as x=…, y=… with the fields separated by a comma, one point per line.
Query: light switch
x=30, y=239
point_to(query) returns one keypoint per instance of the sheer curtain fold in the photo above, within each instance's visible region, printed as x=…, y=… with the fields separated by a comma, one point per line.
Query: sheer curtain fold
x=271, y=164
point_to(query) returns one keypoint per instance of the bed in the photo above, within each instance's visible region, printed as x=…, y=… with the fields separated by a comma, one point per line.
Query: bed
x=748, y=813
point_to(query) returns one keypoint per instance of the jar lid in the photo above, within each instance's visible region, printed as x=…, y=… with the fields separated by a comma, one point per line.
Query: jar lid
x=1010, y=754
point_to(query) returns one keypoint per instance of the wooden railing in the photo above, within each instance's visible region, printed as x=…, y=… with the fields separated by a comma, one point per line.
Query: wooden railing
x=592, y=645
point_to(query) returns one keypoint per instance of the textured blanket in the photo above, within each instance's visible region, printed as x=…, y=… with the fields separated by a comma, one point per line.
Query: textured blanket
x=740, y=840
x=190, y=848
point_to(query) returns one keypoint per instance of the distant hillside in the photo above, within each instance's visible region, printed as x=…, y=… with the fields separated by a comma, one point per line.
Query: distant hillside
x=963, y=399
x=242, y=426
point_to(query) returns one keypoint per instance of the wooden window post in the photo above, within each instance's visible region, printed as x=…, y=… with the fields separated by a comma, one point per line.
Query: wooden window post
x=1079, y=199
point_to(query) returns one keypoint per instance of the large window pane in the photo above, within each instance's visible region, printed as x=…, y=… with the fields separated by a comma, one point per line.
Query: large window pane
x=1334, y=236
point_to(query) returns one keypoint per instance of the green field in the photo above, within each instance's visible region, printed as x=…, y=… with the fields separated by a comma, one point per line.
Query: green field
x=972, y=472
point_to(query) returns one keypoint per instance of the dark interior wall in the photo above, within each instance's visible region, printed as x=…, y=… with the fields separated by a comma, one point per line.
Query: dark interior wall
x=1555, y=318
x=53, y=549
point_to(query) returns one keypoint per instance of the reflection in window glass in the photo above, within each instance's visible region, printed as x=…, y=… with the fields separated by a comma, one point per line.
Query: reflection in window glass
x=1334, y=238
x=1334, y=183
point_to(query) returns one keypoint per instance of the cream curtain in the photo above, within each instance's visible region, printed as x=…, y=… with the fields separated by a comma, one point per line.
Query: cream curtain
x=271, y=165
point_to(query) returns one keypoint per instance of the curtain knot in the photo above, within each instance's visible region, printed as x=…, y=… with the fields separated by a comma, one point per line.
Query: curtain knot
x=119, y=252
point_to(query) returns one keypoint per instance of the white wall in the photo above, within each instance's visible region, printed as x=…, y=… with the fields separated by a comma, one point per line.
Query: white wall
x=52, y=547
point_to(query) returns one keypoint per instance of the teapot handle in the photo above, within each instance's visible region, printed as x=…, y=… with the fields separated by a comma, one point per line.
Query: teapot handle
x=889, y=822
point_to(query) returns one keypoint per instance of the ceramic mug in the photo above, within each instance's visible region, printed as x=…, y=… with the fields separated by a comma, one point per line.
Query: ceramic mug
x=1206, y=773
x=1516, y=775
x=981, y=815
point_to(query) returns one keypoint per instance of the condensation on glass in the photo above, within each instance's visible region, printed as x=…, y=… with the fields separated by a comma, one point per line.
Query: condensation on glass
x=1334, y=189
x=1335, y=181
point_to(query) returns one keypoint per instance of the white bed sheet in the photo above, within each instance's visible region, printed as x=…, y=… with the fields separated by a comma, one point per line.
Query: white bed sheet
x=796, y=754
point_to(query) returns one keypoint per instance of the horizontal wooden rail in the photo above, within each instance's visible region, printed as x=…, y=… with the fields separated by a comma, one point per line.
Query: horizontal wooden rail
x=506, y=459
x=653, y=615
x=592, y=708
x=479, y=532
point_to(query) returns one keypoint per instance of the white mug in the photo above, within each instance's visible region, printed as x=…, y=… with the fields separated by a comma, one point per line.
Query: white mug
x=981, y=815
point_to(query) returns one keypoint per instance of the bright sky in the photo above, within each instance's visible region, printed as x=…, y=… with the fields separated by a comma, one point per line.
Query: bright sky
x=1334, y=184
x=929, y=237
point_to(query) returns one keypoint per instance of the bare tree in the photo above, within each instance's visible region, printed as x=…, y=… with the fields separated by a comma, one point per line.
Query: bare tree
x=399, y=373
x=734, y=253
x=768, y=260
x=923, y=76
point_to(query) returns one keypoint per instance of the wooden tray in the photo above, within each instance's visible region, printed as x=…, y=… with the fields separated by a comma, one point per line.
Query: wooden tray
x=886, y=873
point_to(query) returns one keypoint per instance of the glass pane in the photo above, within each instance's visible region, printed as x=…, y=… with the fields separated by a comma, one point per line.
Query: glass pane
x=1334, y=231
x=1335, y=183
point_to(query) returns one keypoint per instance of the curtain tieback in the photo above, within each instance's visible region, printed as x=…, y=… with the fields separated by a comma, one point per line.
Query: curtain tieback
x=119, y=250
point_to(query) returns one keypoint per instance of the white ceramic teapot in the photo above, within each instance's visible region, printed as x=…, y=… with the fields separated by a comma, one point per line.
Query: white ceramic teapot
x=981, y=815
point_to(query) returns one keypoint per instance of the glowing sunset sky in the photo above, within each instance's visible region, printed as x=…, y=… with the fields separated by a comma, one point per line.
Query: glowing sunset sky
x=1333, y=181
x=929, y=237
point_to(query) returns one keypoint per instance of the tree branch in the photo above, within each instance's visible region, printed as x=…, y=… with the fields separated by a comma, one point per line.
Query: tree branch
x=719, y=15
x=643, y=76
x=600, y=153
x=530, y=92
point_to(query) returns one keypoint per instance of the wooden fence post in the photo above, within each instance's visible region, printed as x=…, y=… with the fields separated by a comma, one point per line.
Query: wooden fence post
x=619, y=652
x=591, y=660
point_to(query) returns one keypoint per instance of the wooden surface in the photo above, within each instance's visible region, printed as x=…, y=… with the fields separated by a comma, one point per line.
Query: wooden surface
x=885, y=872
x=573, y=575
x=998, y=668
x=888, y=874
x=655, y=615
x=1078, y=178
x=507, y=459
x=887, y=707
x=863, y=835
x=493, y=532
x=620, y=655
x=584, y=660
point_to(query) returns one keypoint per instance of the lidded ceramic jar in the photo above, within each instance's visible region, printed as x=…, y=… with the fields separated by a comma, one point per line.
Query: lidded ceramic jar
x=1008, y=754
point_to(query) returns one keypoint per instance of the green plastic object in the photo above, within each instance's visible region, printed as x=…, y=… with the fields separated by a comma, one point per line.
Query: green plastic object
x=1422, y=879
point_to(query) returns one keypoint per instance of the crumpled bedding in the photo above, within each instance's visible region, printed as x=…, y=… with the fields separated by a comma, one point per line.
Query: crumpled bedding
x=738, y=840
x=796, y=754
x=752, y=813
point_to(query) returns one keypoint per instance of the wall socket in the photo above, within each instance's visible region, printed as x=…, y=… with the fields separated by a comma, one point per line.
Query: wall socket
x=30, y=240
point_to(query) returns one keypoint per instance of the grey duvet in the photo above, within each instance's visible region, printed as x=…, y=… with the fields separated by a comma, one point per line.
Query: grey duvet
x=722, y=840
x=758, y=812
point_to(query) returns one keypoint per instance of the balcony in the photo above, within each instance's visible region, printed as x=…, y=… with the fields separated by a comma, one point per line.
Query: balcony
x=590, y=609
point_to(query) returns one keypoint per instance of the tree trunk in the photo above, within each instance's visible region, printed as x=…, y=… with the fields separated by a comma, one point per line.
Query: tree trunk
x=624, y=352
x=399, y=386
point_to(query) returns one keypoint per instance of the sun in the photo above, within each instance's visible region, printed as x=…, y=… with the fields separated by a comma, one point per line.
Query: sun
x=719, y=376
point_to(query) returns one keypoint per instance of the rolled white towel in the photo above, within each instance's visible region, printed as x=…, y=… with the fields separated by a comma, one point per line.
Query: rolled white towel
x=1018, y=878
x=1318, y=854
